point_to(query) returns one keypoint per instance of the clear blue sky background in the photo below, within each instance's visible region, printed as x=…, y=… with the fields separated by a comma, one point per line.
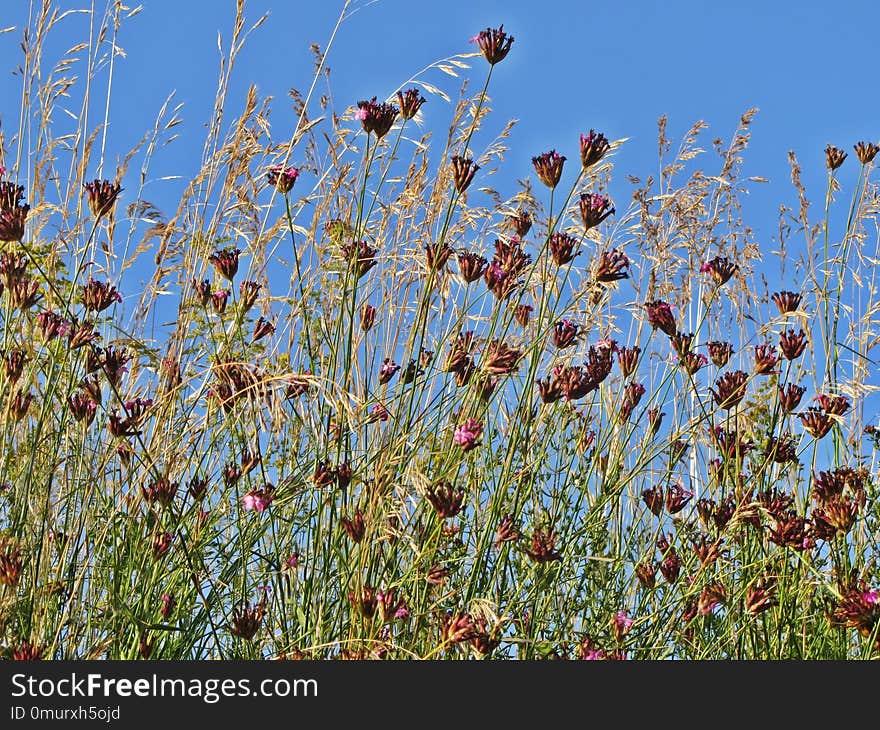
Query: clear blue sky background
x=809, y=66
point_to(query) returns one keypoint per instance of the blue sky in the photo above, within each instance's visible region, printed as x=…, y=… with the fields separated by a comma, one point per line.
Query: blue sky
x=615, y=67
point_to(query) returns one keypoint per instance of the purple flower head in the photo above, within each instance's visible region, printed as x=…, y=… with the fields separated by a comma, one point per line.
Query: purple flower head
x=467, y=434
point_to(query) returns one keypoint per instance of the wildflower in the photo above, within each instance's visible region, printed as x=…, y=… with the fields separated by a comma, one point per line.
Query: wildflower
x=483, y=640
x=653, y=499
x=720, y=352
x=168, y=605
x=11, y=563
x=80, y=335
x=262, y=328
x=467, y=433
x=160, y=491
x=548, y=167
x=390, y=605
x=707, y=551
x=499, y=281
x=219, y=300
x=677, y=450
x=82, y=407
x=248, y=291
x=670, y=565
x=197, y=487
x=162, y=542
x=102, y=196
x=376, y=118
x=729, y=443
x=692, y=362
x=494, y=44
x=816, y=422
x=368, y=317
x=343, y=474
x=786, y=301
x=766, y=359
x=655, y=417
x=836, y=516
x=866, y=151
x=521, y=222
x=456, y=628
x=387, y=370
x=720, y=269
x=11, y=195
x=621, y=623
x=562, y=248
x=783, y=449
x=612, y=266
x=761, y=594
x=246, y=621
x=712, y=596
x=660, y=317
x=28, y=652
x=463, y=171
x=52, y=325
x=836, y=405
x=97, y=296
x=354, y=526
x=628, y=360
x=565, y=334
x=830, y=484
x=731, y=389
x=834, y=157
x=549, y=390
x=379, y=413
x=409, y=101
x=446, y=499
x=458, y=358
x=681, y=343
x=259, y=499
x=437, y=255
x=226, y=262
x=282, y=178
x=522, y=314
x=594, y=209
x=24, y=293
x=12, y=269
x=677, y=498
x=541, y=547
x=470, y=265
x=12, y=223
x=361, y=256
x=792, y=345
x=19, y=404
x=632, y=394
x=858, y=607
x=593, y=148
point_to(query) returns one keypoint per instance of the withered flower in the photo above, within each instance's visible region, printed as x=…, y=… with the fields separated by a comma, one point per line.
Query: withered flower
x=836, y=405
x=11, y=562
x=866, y=151
x=562, y=248
x=436, y=255
x=681, y=343
x=816, y=422
x=593, y=148
x=628, y=359
x=792, y=344
x=24, y=293
x=766, y=360
x=791, y=530
x=632, y=394
x=246, y=621
x=262, y=328
x=521, y=223
x=463, y=171
x=456, y=628
x=731, y=389
x=594, y=209
x=783, y=449
x=720, y=352
x=786, y=301
x=355, y=527
x=247, y=294
x=506, y=531
x=361, y=257
x=548, y=167
x=160, y=491
x=494, y=44
x=761, y=594
x=102, y=196
x=446, y=499
x=202, y=291
x=19, y=404
x=219, y=299
x=712, y=596
x=500, y=358
x=387, y=370
x=368, y=317
x=612, y=266
x=653, y=499
x=470, y=265
x=836, y=516
x=409, y=101
x=692, y=362
x=522, y=314
x=677, y=498
x=655, y=418
x=834, y=157
x=646, y=575
x=565, y=334
x=541, y=547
